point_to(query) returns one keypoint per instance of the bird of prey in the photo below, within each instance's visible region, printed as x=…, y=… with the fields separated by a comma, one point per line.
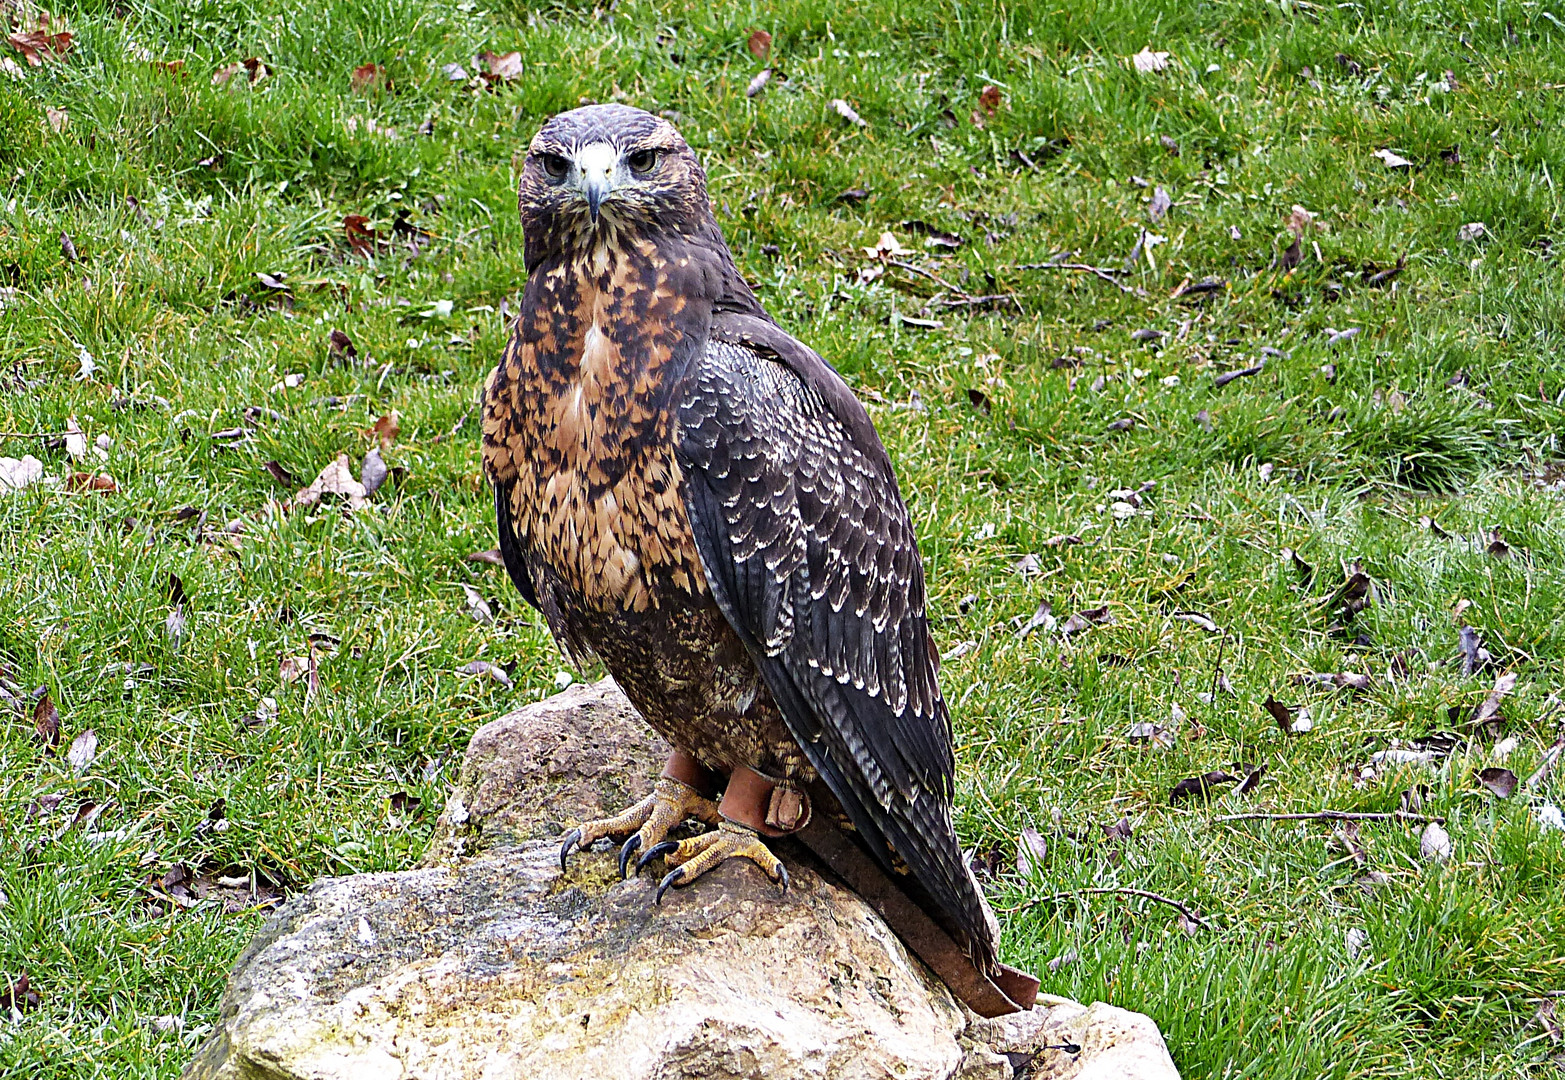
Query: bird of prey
x=695, y=498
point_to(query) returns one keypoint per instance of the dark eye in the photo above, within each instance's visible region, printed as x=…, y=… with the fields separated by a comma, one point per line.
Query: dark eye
x=642, y=161
x=555, y=165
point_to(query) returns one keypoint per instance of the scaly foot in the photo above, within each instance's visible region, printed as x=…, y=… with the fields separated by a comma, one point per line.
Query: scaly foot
x=648, y=822
x=697, y=855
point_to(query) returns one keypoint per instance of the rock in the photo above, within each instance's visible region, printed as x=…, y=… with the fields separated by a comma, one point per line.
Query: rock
x=490, y=963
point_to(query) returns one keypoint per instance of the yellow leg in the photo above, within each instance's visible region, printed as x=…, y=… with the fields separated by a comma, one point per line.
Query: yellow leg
x=647, y=823
x=697, y=855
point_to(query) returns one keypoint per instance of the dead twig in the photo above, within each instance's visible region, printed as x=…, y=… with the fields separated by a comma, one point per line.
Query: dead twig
x=1184, y=909
x=1336, y=815
x=1550, y=756
x=32, y=434
x=963, y=298
x=1097, y=271
x=944, y=284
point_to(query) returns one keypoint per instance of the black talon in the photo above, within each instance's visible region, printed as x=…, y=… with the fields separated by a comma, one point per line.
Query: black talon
x=571, y=839
x=653, y=852
x=674, y=877
x=630, y=847
x=782, y=877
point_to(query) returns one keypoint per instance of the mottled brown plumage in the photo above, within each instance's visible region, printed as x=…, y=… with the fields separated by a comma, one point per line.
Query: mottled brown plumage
x=697, y=499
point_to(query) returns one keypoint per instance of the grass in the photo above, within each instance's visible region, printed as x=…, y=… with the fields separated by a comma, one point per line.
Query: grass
x=1446, y=405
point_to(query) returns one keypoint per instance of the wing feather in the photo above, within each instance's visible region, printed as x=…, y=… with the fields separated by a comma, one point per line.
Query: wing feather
x=812, y=556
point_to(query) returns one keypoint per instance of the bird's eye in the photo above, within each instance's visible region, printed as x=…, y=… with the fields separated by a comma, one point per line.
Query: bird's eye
x=642, y=161
x=555, y=165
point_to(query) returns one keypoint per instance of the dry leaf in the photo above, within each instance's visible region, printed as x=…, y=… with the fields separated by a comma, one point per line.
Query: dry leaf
x=1146, y=61
x=760, y=44
x=84, y=748
x=1199, y=785
x=99, y=482
x=1393, y=159
x=1300, y=220
x=361, y=238
x=372, y=473
x=368, y=76
x=1435, y=843
x=1203, y=621
x=336, y=479
x=492, y=557
x=847, y=112
x=1084, y=620
x=503, y=67
x=990, y=97
x=1159, y=205
x=387, y=428
x=293, y=668
x=1490, y=707
x=1474, y=655
x=477, y=606
x=37, y=46
x=485, y=668
x=1031, y=850
x=1042, y=619
x=1500, y=781
x=1292, y=719
x=58, y=119
x=75, y=440
x=46, y=722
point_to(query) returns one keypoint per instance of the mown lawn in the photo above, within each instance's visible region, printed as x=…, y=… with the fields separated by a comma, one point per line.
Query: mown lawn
x=157, y=330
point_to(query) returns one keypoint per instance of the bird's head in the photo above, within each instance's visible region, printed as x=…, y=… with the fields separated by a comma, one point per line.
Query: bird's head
x=608, y=165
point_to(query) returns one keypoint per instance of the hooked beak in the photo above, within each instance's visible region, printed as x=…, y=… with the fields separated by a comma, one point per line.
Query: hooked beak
x=596, y=165
x=596, y=189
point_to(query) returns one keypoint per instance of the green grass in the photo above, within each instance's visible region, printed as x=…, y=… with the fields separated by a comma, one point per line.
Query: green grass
x=1447, y=404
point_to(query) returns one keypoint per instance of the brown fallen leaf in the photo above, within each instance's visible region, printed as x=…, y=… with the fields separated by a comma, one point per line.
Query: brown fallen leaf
x=1490, y=706
x=38, y=46
x=1085, y=620
x=58, y=119
x=19, y=996
x=340, y=346
x=492, y=557
x=1120, y=830
x=102, y=483
x=1063, y=540
x=281, y=475
x=368, y=77
x=759, y=43
x=1500, y=781
x=1252, y=780
x=335, y=479
x=253, y=67
x=1199, y=785
x=361, y=238
x=980, y=400
x=990, y=98
x=1474, y=656
x=46, y=722
x=1292, y=719
x=387, y=428
x=293, y=668
x=1497, y=545
x=503, y=67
